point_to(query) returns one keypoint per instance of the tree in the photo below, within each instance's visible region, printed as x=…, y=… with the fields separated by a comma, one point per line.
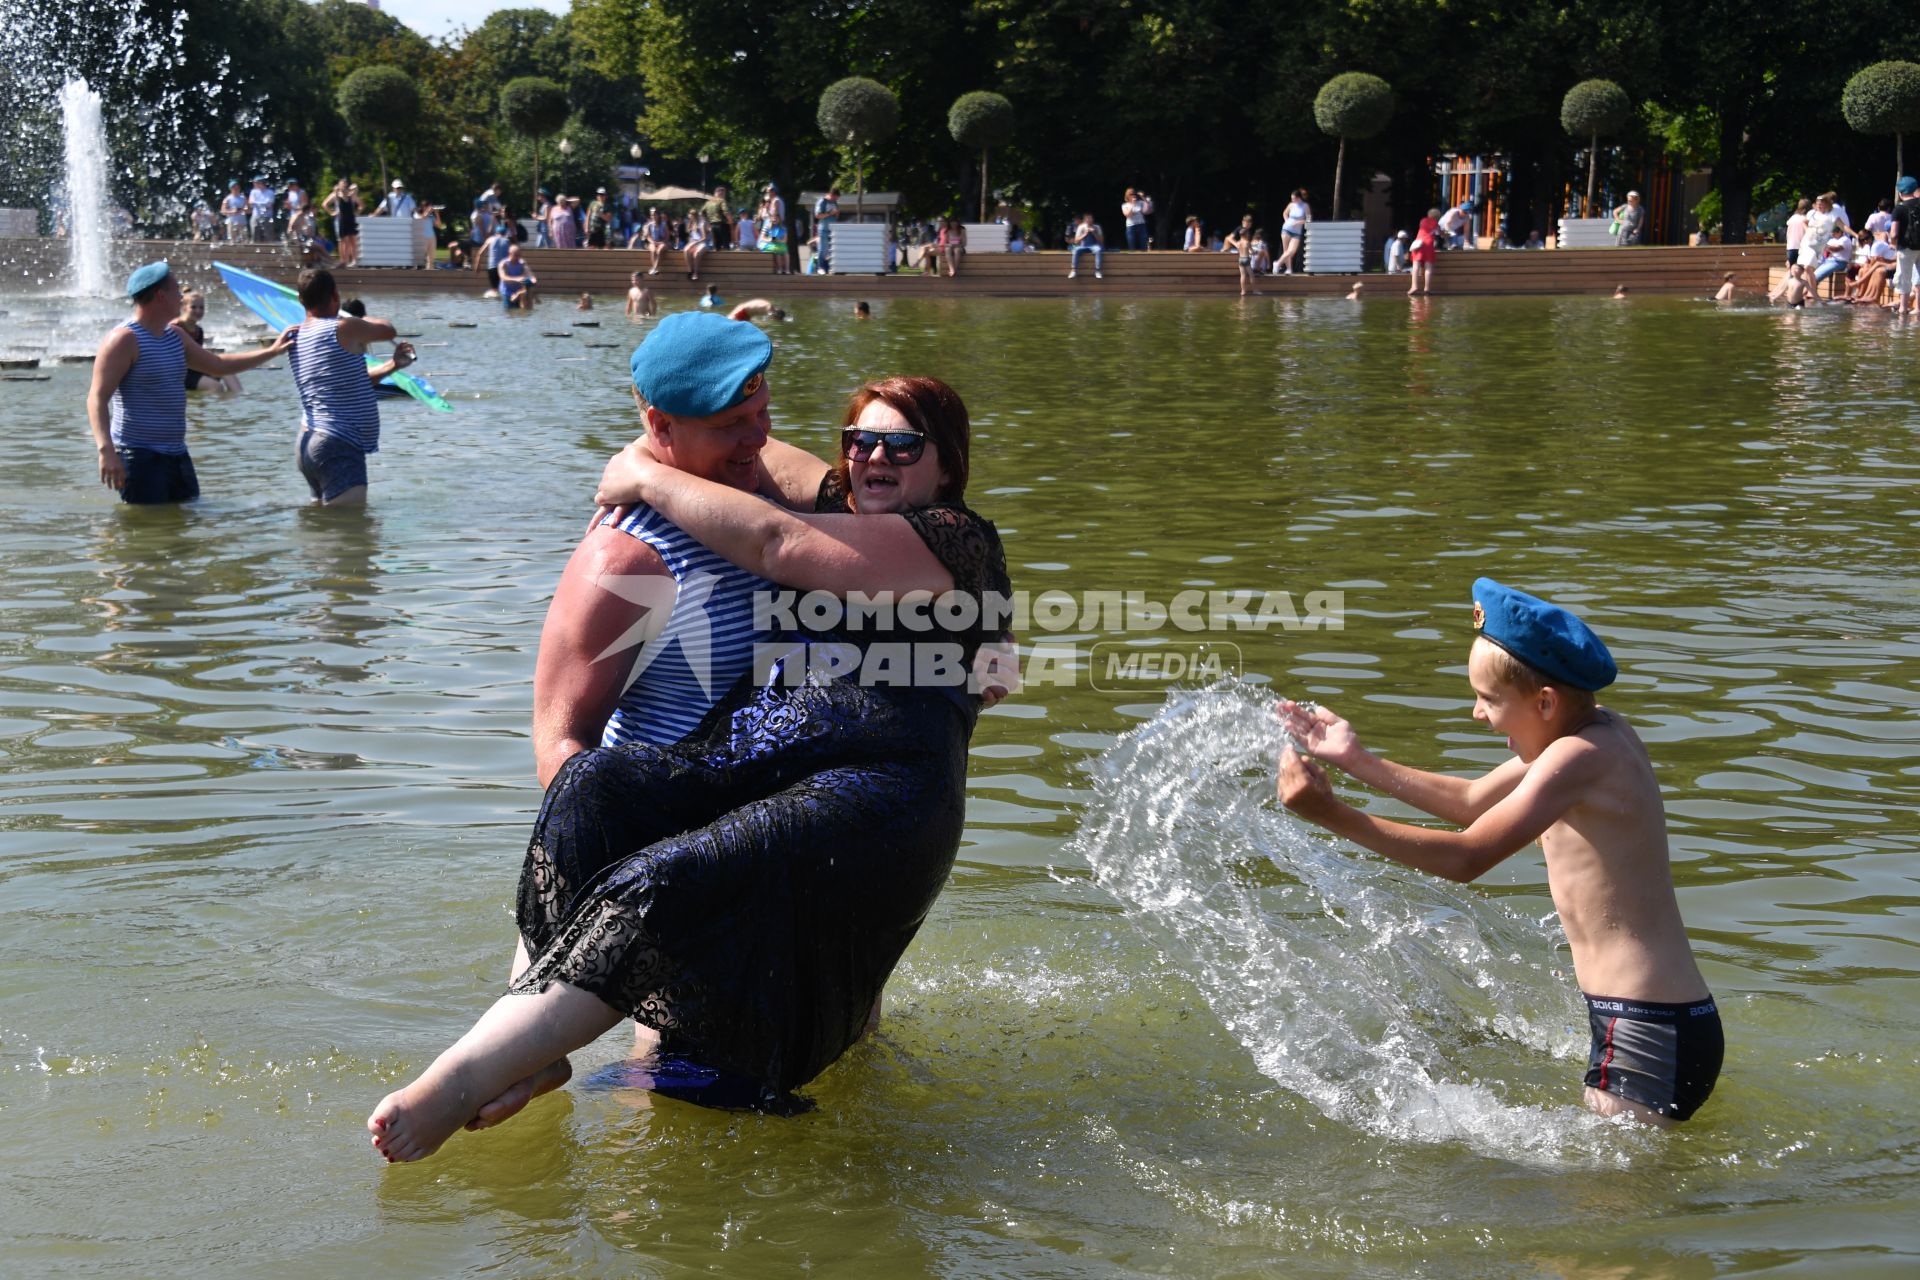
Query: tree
x=1885, y=98
x=858, y=112
x=533, y=107
x=1591, y=108
x=376, y=100
x=979, y=122
x=1352, y=105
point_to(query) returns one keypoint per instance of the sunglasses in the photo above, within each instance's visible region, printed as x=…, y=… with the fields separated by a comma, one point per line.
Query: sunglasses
x=903, y=448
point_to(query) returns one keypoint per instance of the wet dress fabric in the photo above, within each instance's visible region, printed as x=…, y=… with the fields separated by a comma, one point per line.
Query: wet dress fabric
x=747, y=891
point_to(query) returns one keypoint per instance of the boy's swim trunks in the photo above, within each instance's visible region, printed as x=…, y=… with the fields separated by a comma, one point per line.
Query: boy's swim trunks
x=1665, y=1057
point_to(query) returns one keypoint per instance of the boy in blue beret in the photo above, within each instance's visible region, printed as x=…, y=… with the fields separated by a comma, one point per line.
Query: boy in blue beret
x=1581, y=784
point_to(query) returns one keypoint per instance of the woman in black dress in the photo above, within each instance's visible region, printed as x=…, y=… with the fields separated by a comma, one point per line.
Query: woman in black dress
x=746, y=892
x=343, y=203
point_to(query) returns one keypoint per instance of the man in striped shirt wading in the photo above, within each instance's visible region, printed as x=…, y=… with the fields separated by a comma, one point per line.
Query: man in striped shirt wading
x=648, y=629
x=137, y=405
x=339, y=409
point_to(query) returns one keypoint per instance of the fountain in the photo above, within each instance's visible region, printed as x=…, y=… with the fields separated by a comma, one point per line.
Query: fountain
x=88, y=196
x=115, y=114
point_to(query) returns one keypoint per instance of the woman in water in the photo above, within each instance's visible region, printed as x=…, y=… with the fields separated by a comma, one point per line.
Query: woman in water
x=193, y=309
x=747, y=891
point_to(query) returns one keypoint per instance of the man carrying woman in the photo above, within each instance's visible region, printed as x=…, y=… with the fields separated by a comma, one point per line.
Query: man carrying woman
x=743, y=888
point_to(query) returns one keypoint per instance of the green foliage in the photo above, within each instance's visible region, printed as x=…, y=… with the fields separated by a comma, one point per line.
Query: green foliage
x=1708, y=212
x=1883, y=98
x=980, y=121
x=1595, y=107
x=589, y=161
x=379, y=100
x=858, y=112
x=533, y=106
x=1148, y=93
x=1353, y=105
x=1687, y=136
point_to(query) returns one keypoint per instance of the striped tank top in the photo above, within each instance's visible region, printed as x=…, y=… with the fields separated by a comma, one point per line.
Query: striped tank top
x=706, y=647
x=336, y=396
x=150, y=404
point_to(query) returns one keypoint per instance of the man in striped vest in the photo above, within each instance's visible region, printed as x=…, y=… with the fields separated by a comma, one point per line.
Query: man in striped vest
x=339, y=409
x=648, y=629
x=137, y=405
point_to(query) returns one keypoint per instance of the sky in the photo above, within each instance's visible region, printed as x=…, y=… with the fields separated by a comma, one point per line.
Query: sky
x=437, y=19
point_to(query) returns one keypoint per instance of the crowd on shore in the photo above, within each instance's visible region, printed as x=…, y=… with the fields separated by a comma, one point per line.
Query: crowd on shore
x=1874, y=263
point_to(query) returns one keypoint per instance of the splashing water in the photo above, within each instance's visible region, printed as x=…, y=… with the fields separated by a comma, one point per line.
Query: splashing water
x=179, y=125
x=1375, y=993
x=88, y=199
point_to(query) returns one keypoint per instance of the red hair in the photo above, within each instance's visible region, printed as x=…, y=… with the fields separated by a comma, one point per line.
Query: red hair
x=931, y=407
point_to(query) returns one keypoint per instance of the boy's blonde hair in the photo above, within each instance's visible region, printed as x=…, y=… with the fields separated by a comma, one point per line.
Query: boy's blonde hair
x=1527, y=679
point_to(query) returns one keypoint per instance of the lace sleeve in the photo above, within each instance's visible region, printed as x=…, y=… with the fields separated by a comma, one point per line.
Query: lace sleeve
x=968, y=546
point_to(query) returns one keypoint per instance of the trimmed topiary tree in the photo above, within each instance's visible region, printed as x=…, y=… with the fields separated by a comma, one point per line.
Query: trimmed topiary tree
x=1351, y=105
x=1885, y=98
x=374, y=102
x=533, y=107
x=1591, y=108
x=858, y=112
x=980, y=122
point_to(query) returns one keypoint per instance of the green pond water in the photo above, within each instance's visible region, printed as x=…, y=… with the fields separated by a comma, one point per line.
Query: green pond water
x=266, y=781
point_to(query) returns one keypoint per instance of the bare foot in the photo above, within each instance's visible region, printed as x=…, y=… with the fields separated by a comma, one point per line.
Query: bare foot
x=519, y=1094
x=411, y=1123
x=513, y=1043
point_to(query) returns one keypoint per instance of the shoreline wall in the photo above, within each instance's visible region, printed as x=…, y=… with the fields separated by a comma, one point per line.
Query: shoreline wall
x=40, y=262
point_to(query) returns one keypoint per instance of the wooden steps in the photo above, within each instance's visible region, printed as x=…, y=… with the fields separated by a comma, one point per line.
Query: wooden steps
x=741, y=274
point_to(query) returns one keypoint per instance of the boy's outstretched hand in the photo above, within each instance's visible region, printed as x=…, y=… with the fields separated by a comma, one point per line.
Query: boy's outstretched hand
x=1324, y=735
x=1304, y=788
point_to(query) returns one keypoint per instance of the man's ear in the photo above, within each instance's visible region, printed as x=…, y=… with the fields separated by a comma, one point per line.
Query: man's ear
x=659, y=427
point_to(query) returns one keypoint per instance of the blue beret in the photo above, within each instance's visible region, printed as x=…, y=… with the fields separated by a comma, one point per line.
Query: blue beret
x=1908, y=186
x=696, y=364
x=144, y=278
x=1542, y=635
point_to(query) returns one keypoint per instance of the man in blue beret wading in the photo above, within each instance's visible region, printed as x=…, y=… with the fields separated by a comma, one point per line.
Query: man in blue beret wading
x=648, y=628
x=137, y=405
x=1581, y=784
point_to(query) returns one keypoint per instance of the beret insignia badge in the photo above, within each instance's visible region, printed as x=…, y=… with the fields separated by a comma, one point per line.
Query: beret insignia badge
x=750, y=386
x=1479, y=616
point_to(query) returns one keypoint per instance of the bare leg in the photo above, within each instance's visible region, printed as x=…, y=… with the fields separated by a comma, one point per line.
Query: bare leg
x=354, y=497
x=1609, y=1104
x=515, y=1038
x=512, y=1100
